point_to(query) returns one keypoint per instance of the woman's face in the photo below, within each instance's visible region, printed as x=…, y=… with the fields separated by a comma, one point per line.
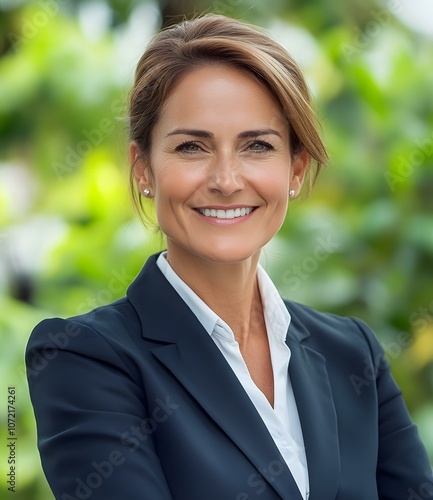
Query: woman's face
x=220, y=167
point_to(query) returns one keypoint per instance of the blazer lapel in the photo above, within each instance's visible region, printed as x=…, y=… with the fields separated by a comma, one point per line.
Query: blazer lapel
x=186, y=349
x=316, y=409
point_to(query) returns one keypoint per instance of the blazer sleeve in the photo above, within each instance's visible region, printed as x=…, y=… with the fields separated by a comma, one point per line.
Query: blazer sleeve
x=403, y=468
x=89, y=412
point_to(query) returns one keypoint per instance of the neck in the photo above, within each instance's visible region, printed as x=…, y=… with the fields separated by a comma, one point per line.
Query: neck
x=229, y=289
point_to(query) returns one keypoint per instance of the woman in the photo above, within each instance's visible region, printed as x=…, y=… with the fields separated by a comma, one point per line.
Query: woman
x=202, y=383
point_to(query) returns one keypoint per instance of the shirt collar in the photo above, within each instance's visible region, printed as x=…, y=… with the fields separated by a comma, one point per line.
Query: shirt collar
x=277, y=317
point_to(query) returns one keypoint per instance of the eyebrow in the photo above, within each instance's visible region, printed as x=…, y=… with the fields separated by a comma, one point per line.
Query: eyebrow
x=248, y=134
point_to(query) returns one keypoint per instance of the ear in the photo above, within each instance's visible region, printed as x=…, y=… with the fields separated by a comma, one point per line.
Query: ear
x=298, y=169
x=140, y=166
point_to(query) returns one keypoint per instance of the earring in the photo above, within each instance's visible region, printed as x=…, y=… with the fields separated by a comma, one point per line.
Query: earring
x=292, y=192
x=146, y=192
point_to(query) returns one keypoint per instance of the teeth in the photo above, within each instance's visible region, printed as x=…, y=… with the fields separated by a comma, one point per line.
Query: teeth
x=225, y=214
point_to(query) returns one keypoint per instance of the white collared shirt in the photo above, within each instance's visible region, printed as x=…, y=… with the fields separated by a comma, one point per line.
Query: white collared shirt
x=282, y=421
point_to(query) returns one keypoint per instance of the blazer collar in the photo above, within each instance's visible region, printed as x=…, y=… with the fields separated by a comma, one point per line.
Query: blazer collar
x=157, y=304
x=190, y=354
x=315, y=404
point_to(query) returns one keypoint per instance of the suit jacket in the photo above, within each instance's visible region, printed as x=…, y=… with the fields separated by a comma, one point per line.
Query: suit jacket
x=134, y=400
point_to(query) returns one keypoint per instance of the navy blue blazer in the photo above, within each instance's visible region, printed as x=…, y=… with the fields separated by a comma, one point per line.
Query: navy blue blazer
x=134, y=400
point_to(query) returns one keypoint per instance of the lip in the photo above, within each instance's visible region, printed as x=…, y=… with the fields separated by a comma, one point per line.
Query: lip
x=224, y=207
x=225, y=222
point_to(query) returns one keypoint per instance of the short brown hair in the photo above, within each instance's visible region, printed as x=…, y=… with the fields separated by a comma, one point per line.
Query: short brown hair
x=218, y=39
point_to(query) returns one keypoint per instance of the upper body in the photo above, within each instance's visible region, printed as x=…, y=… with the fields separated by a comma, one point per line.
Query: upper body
x=138, y=399
x=137, y=391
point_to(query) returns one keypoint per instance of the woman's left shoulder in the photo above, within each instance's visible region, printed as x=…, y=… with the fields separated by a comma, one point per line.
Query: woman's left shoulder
x=331, y=329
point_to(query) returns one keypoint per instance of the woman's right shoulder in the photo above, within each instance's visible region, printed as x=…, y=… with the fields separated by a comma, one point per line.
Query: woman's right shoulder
x=107, y=321
x=107, y=332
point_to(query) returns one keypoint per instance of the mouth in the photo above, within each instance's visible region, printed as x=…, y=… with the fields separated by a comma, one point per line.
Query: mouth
x=232, y=213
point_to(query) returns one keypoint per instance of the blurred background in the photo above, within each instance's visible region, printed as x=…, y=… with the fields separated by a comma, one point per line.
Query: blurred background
x=361, y=244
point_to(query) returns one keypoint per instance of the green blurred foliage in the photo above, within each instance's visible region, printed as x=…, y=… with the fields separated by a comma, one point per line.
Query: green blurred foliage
x=361, y=244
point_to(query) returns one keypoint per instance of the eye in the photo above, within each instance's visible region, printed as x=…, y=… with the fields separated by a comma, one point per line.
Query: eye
x=188, y=147
x=260, y=146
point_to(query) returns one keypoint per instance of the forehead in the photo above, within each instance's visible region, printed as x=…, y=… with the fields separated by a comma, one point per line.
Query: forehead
x=221, y=95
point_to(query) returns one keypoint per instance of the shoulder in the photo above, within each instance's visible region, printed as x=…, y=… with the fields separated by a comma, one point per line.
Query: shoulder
x=115, y=323
x=108, y=333
x=107, y=321
x=327, y=331
x=355, y=359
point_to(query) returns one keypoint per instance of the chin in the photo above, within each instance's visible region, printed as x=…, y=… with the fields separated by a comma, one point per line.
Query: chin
x=229, y=255
x=215, y=250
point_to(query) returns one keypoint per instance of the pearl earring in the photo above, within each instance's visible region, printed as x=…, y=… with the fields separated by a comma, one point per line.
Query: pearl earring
x=146, y=192
x=292, y=192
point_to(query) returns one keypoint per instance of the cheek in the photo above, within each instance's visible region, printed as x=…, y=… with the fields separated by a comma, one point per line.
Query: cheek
x=274, y=186
x=178, y=183
x=168, y=183
x=172, y=191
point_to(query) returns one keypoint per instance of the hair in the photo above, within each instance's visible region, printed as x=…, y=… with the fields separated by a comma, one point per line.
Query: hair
x=216, y=39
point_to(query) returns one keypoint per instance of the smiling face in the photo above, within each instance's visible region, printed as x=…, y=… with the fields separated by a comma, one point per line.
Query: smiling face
x=220, y=167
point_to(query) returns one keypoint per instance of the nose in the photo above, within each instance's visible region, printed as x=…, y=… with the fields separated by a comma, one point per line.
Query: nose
x=225, y=175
